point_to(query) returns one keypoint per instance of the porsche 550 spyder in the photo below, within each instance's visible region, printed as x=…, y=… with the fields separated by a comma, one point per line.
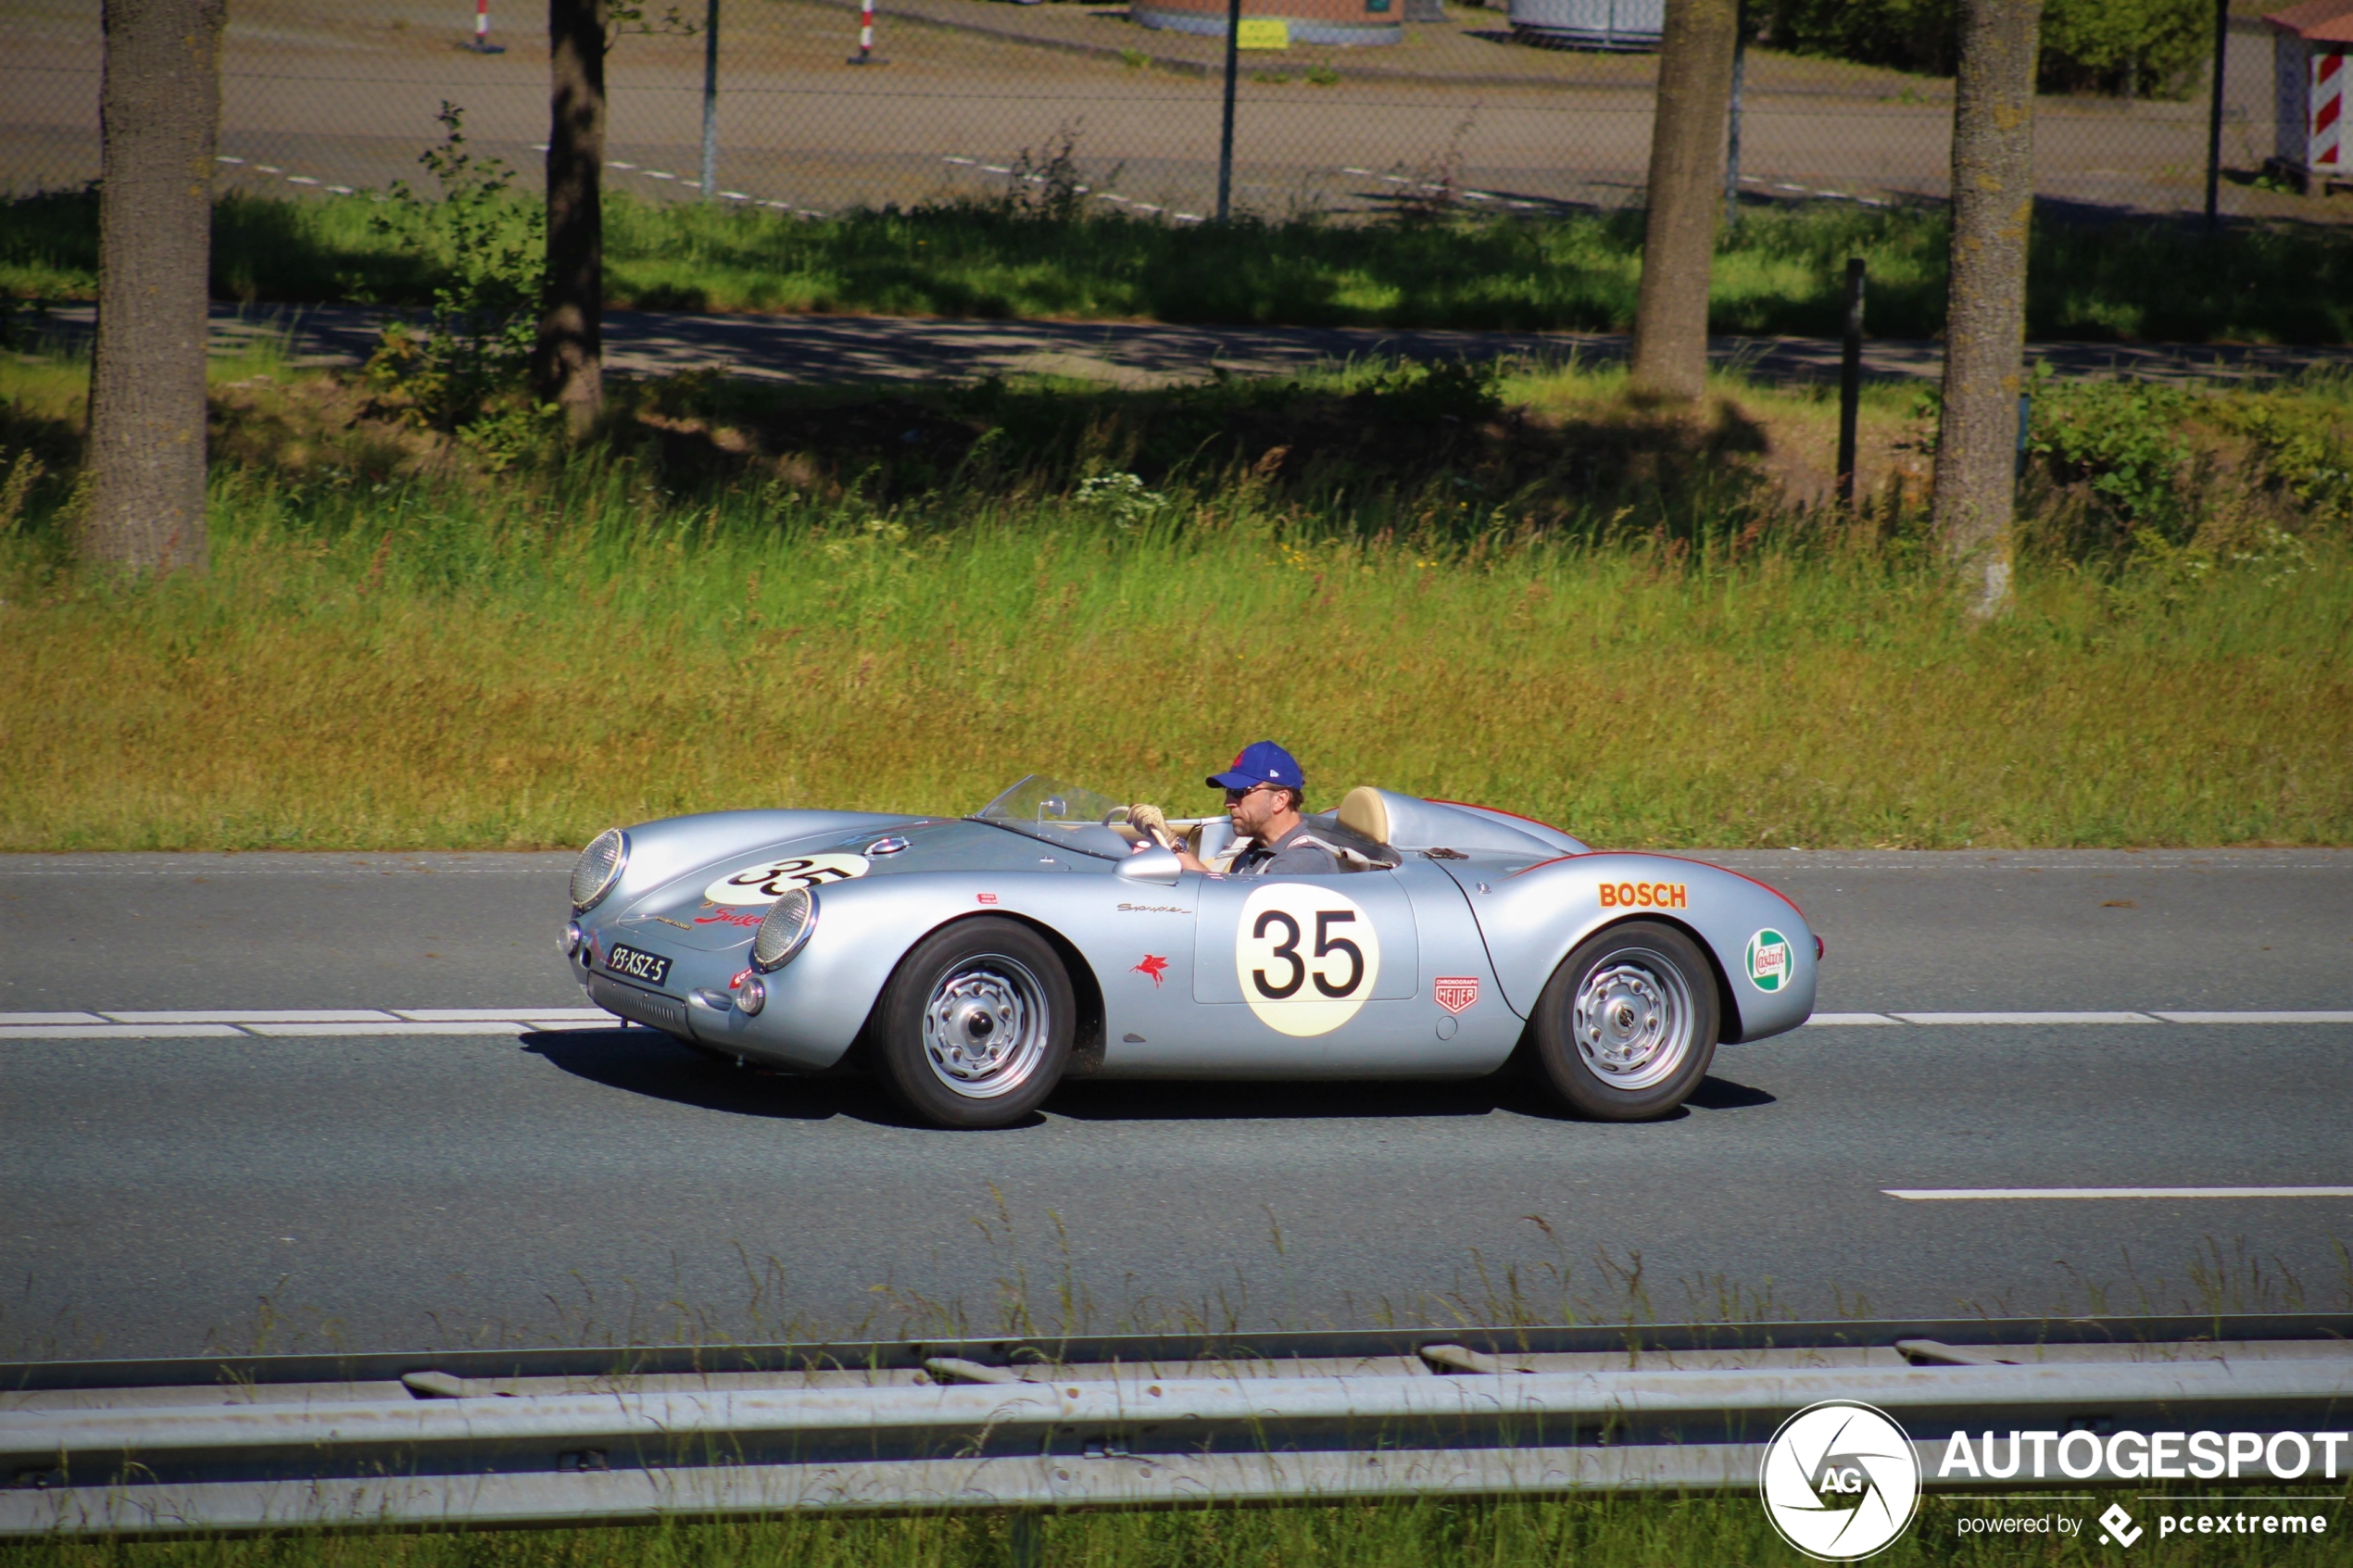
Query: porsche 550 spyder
x=973, y=962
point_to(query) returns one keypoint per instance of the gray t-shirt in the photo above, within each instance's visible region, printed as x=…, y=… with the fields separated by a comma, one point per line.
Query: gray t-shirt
x=1287, y=857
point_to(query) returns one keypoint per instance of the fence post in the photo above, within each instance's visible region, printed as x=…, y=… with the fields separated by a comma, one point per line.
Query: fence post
x=2214, y=114
x=710, y=100
x=1850, y=381
x=1225, y=136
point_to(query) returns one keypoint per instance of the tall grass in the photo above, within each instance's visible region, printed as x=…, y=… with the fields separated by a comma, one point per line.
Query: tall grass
x=1778, y=271
x=420, y=663
x=1641, y=1530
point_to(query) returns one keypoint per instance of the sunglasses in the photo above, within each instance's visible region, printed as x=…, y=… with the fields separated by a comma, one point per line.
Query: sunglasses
x=1234, y=794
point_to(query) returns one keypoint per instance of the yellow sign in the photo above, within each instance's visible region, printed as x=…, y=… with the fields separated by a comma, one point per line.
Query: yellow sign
x=1264, y=33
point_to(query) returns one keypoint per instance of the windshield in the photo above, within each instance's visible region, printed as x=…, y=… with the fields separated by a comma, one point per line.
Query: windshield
x=1060, y=813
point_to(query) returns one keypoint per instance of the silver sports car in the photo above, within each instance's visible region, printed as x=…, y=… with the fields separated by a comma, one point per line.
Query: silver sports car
x=976, y=961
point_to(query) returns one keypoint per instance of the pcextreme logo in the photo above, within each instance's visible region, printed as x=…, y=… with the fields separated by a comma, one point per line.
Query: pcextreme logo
x=1840, y=1481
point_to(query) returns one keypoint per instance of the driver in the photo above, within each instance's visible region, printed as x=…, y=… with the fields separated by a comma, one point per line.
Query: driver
x=1264, y=793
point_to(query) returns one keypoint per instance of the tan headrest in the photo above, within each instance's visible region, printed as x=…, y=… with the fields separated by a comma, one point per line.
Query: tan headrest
x=1361, y=811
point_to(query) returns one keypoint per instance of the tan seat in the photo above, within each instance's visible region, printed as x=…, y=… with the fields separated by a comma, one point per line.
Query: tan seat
x=1361, y=811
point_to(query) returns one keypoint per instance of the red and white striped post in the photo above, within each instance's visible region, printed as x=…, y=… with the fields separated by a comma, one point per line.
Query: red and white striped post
x=482, y=45
x=865, y=56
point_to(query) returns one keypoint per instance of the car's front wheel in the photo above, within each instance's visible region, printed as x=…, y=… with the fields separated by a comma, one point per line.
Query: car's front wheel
x=976, y=1025
x=1626, y=1028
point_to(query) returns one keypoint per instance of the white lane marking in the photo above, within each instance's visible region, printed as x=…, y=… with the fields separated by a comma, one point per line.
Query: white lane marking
x=2024, y=1017
x=393, y=1026
x=1846, y=1018
x=7, y=1018
x=2257, y=1017
x=503, y=1015
x=1963, y=1195
x=280, y=1015
x=118, y=1032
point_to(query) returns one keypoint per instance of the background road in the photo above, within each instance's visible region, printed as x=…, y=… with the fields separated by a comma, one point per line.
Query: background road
x=881, y=350
x=166, y=1195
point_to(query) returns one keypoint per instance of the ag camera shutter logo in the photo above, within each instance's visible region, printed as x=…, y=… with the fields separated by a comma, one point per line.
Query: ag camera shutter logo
x=1840, y=1481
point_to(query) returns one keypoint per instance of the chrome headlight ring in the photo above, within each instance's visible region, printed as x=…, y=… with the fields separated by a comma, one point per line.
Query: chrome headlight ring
x=598, y=869
x=785, y=930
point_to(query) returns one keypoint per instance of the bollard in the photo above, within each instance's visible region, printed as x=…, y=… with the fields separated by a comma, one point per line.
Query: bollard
x=865, y=55
x=482, y=45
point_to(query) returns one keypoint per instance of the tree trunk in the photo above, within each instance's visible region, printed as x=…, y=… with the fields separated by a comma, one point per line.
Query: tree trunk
x=1686, y=196
x=159, y=118
x=1985, y=321
x=569, y=368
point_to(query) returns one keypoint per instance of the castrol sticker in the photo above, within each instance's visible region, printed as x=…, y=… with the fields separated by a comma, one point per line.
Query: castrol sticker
x=1307, y=957
x=771, y=880
x=1647, y=896
x=1769, y=960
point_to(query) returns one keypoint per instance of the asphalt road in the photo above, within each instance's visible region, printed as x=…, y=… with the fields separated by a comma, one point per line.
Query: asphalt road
x=170, y=1195
x=882, y=350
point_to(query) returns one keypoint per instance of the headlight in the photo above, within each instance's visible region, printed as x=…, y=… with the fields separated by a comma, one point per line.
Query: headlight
x=752, y=995
x=599, y=867
x=785, y=929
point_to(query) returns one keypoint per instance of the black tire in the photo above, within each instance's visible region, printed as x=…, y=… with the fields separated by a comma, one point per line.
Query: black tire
x=1650, y=1016
x=949, y=1006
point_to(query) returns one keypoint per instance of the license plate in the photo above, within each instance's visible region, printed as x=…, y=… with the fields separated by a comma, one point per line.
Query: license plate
x=650, y=968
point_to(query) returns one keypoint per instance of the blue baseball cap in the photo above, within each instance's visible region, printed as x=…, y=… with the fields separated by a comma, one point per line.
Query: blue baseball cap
x=1261, y=762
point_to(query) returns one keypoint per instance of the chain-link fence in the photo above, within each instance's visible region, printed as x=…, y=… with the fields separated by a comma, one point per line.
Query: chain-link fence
x=327, y=94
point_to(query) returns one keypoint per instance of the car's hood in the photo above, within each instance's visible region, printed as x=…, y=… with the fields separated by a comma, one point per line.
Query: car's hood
x=719, y=903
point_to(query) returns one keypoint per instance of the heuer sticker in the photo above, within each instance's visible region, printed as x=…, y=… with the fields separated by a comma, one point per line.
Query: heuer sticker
x=1307, y=955
x=1645, y=895
x=771, y=880
x=651, y=968
x=1769, y=960
x=1455, y=993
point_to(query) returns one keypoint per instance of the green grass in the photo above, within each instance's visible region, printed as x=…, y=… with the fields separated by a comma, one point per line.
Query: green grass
x=1721, y=1531
x=1567, y=605
x=1778, y=272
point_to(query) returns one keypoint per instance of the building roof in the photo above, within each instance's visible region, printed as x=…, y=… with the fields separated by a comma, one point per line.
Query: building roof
x=2322, y=21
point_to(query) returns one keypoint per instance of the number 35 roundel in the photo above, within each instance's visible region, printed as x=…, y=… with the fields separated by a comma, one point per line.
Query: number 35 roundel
x=1308, y=957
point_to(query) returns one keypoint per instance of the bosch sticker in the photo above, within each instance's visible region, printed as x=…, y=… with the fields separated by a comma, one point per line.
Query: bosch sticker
x=771, y=880
x=1307, y=957
x=1769, y=960
x=1645, y=895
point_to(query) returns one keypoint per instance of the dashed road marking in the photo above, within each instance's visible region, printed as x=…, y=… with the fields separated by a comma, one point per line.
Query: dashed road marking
x=1966, y=1195
x=226, y=1024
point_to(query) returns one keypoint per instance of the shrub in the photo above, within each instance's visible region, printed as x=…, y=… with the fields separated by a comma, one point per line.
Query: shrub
x=2136, y=48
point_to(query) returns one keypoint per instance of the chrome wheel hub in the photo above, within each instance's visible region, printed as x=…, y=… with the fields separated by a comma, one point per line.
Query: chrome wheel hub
x=986, y=1027
x=1632, y=1020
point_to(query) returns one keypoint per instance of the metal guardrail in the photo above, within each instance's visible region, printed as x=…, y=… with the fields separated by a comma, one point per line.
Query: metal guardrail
x=540, y=1437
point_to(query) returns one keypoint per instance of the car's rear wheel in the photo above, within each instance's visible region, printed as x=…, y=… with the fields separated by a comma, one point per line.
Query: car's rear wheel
x=976, y=1025
x=1626, y=1028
